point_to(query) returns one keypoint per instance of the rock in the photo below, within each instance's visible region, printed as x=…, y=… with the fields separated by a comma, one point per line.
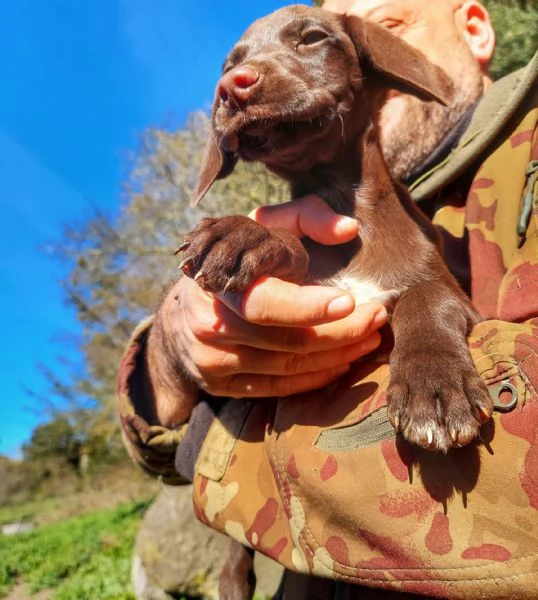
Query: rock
x=176, y=554
x=15, y=528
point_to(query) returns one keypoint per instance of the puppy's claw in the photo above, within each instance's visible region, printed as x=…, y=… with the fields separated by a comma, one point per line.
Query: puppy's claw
x=198, y=275
x=485, y=412
x=454, y=435
x=229, y=284
x=184, y=263
x=430, y=437
x=183, y=246
x=396, y=423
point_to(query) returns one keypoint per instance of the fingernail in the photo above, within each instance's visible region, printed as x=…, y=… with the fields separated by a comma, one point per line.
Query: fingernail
x=340, y=306
x=346, y=223
x=380, y=317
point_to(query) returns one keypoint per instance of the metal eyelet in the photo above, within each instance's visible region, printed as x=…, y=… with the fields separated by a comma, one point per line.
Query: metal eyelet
x=495, y=394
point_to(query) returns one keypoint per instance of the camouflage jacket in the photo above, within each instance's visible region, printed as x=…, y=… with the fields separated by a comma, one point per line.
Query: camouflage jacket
x=333, y=492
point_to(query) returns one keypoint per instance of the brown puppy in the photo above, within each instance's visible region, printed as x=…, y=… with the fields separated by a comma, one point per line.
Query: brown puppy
x=300, y=93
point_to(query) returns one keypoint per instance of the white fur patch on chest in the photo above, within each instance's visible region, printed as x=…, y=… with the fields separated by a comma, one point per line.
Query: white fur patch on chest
x=365, y=290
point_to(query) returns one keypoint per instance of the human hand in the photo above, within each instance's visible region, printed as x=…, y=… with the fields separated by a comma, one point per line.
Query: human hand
x=278, y=338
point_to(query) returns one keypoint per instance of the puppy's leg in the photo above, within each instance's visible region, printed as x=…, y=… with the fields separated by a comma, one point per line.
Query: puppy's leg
x=237, y=579
x=435, y=396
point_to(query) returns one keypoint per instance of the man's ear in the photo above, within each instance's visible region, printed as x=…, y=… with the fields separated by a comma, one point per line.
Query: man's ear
x=403, y=67
x=478, y=31
x=216, y=164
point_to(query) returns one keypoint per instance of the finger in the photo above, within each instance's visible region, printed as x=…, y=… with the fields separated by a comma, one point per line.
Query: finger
x=271, y=301
x=262, y=386
x=328, y=336
x=291, y=363
x=276, y=302
x=205, y=320
x=230, y=329
x=309, y=216
x=245, y=359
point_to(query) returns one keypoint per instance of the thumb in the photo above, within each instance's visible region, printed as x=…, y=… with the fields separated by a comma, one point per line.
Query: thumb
x=309, y=216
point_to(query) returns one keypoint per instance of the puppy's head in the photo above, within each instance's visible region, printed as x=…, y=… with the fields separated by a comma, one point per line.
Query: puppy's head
x=300, y=84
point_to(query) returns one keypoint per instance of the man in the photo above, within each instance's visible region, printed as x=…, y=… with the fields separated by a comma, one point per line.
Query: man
x=280, y=339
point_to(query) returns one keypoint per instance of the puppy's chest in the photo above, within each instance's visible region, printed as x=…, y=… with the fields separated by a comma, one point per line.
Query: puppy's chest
x=350, y=267
x=363, y=289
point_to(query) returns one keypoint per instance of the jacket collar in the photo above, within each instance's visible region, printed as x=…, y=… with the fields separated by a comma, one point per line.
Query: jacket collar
x=501, y=102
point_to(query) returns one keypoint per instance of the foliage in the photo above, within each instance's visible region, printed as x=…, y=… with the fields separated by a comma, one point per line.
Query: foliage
x=56, y=438
x=86, y=557
x=22, y=480
x=107, y=486
x=56, y=463
x=22, y=511
x=515, y=23
x=13, y=479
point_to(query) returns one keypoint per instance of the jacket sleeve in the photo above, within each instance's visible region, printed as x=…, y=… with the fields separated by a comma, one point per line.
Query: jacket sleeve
x=150, y=445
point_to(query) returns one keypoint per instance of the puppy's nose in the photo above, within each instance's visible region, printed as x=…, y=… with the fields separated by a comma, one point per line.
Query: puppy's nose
x=237, y=85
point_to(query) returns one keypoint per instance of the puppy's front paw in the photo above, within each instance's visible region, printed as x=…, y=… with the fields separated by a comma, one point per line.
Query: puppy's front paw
x=437, y=401
x=230, y=253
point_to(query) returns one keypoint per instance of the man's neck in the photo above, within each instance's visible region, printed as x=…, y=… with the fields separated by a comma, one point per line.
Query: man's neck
x=445, y=147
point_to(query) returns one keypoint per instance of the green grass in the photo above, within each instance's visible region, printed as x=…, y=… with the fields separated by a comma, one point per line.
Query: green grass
x=86, y=557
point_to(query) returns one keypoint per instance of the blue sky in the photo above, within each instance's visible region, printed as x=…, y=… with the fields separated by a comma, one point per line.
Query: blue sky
x=80, y=82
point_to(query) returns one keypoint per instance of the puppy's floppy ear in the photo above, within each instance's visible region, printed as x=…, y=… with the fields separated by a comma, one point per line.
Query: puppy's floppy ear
x=216, y=164
x=405, y=68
